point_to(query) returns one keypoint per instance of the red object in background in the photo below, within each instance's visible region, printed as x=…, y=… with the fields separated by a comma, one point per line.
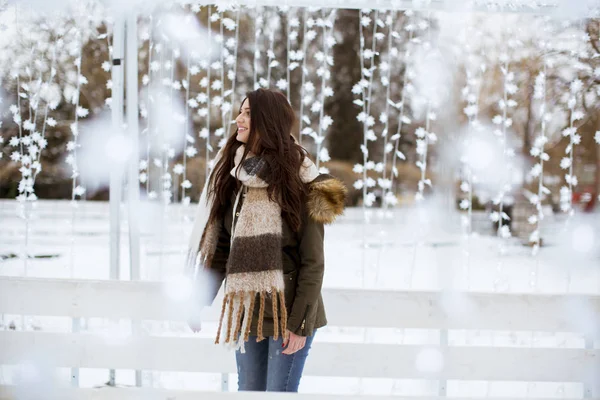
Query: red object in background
x=586, y=198
x=586, y=194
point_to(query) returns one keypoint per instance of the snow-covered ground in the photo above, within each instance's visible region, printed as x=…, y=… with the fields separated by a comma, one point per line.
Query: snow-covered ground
x=409, y=249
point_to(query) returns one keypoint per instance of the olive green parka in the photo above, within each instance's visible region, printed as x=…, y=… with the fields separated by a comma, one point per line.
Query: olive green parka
x=302, y=254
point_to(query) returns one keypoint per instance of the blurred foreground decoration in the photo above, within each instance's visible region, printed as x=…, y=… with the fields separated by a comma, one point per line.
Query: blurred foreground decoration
x=495, y=110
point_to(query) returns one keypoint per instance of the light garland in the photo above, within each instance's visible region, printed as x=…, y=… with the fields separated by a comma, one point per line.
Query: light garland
x=80, y=112
x=301, y=55
x=231, y=61
x=271, y=61
x=403, y=117
x=425, y=136
x=291, y=22
x=145, y=106
x=155, y=132
x=228, y=60
x=181, y=169
x=474, y=68
x=505, y=122
x=384, y=182
x=538, y=151
x=566, y=192
x=325, y=121
x=206, y=83
x=258, y=22
x=364, y=89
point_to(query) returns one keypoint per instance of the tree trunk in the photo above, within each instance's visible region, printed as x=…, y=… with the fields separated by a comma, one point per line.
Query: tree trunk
x=346, y=133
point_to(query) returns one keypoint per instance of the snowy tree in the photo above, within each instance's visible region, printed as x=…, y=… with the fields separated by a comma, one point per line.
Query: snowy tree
x=52, y=77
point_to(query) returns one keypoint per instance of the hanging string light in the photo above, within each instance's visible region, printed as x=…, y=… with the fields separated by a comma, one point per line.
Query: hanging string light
x=258, y=22
x=505, y=122
x=474, y=69
x=231, y=61
x=156, y=134
x=206, y=83
x=168, y=151
x=188, y=139
x=386, y=67
x=566, y=163
x=364, y=88
x=227, y=61
x=31, y=142
x=403, y=113
x=307, y=91
x=291, y=35
x=326, y=23
x=538, y=151
x=77, y=190
x=80, y=112
x=425, y=136
x=301, y=55
x=272, y=62
x=145, y=105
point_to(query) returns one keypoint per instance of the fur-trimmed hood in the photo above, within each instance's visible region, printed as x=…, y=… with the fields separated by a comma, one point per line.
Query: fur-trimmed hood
x=326, y=194
x=326, y=199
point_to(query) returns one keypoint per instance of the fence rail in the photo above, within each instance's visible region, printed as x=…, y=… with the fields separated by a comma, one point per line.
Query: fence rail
x=144, y=300
x=85, y=350
x=161, y=394
x=346, y=307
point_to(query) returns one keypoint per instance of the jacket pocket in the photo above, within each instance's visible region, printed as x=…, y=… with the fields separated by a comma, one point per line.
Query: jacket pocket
x=290, y=281
x=289, y=292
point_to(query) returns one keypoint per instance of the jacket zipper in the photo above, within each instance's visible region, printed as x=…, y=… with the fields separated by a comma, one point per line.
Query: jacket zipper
x=302, y=327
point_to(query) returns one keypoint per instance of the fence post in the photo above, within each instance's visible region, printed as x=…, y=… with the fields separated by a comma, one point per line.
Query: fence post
x=224, y=382
x=443, y=383
x=588, y=385
x=75, y=327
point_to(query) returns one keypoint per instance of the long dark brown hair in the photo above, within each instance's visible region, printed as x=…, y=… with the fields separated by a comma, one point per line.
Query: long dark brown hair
x=271, y=122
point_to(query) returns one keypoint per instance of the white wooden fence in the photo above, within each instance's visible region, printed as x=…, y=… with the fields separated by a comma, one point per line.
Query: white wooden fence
x=364, y=308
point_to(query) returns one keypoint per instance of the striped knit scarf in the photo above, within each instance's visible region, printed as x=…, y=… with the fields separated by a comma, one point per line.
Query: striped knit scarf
x=254, y=266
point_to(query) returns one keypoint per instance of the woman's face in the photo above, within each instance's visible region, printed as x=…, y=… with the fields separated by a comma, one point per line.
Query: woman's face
x=243, y=122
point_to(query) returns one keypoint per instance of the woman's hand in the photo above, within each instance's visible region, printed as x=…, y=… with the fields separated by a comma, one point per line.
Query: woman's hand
x=294, y=343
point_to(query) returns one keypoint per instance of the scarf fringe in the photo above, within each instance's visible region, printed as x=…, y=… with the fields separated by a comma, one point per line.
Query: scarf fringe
x=229, y=317
x=238, y=310
x=221, y=319
x=250, y=315
x=261, y=317
x=275, y=319
x=284, y=316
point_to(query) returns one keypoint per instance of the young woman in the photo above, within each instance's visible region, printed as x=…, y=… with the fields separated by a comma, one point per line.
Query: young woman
x=259, y=227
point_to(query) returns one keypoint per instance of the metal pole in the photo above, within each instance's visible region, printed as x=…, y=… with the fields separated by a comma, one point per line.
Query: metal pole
x=133, y=128
x=133, y=190
x=117, y=126
x=115, y=169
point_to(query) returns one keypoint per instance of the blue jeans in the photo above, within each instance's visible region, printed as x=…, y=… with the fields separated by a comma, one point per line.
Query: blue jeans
x=264, y=368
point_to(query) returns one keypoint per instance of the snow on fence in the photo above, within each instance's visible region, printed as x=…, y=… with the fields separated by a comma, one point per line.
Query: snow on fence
x=419, y=310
